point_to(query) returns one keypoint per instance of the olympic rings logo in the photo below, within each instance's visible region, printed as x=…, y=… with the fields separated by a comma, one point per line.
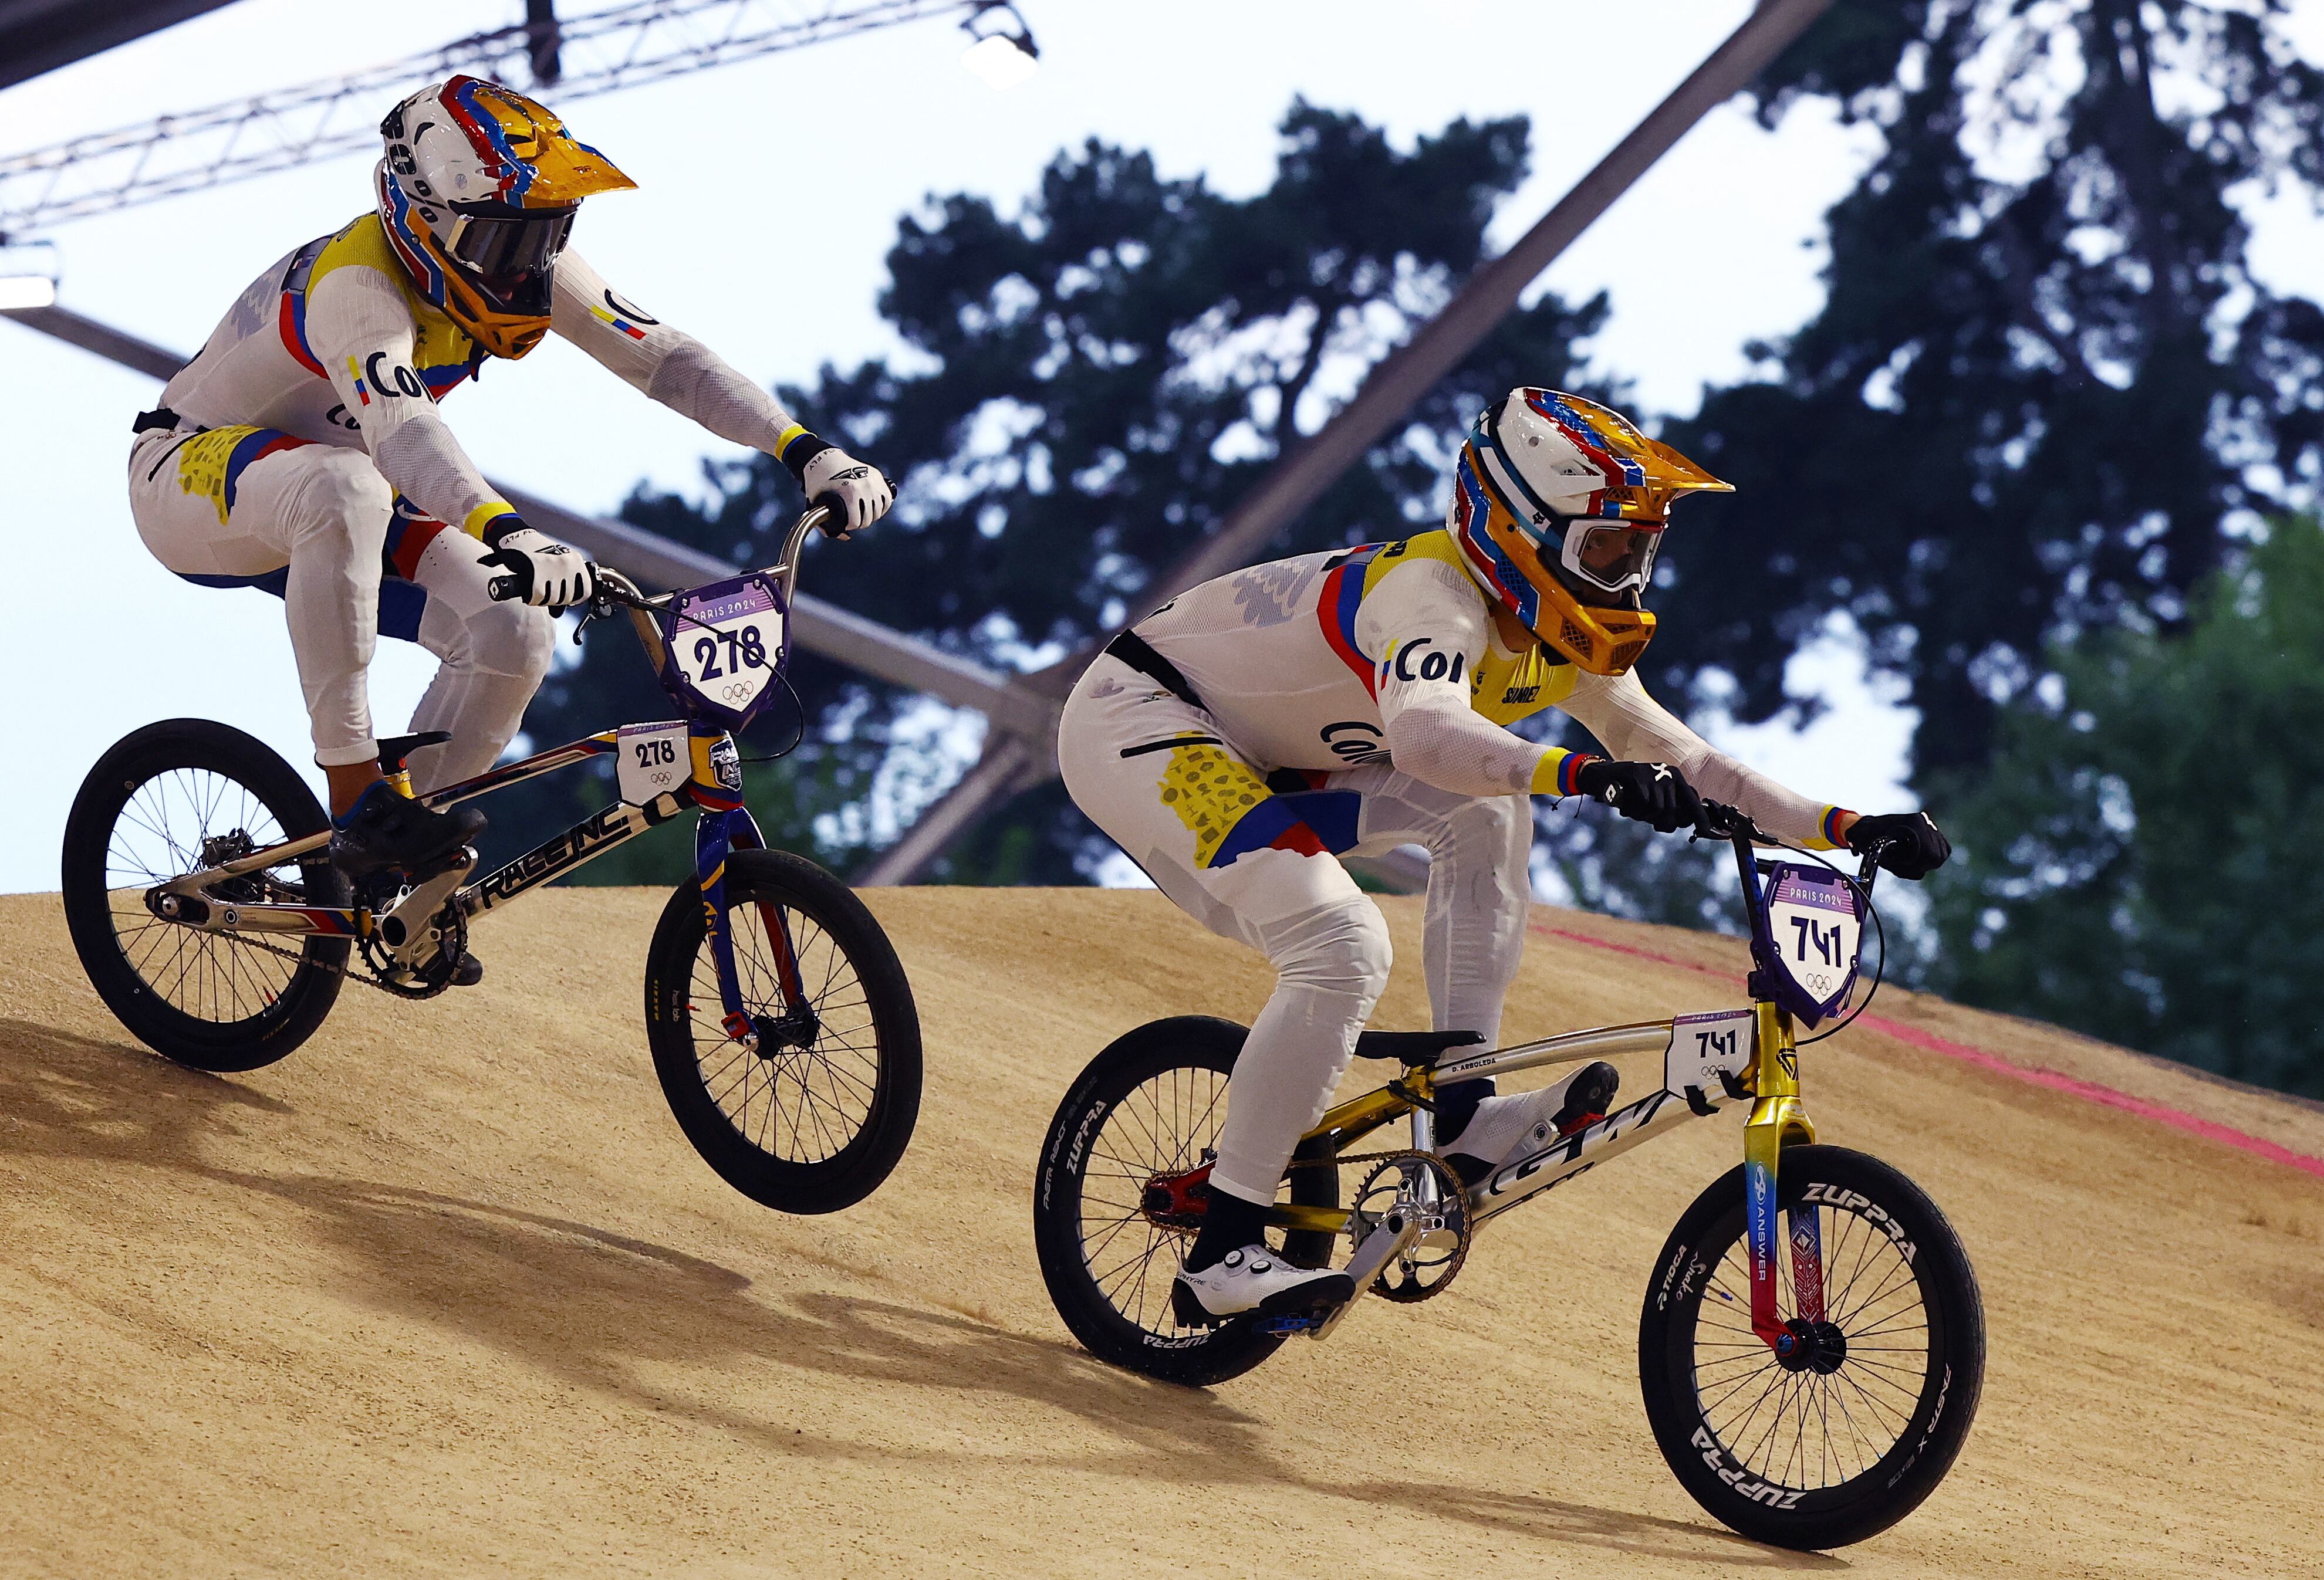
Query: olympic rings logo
x=738, y=691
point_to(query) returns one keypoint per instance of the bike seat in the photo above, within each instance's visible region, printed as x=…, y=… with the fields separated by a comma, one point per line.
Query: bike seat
x=1414, y=1049
x=395, y=749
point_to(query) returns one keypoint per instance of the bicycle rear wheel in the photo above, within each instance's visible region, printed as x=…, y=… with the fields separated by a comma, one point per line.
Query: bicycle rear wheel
x=173, y=798
x=1150, y=1105
x=815, y=1116
x=1851, y=1436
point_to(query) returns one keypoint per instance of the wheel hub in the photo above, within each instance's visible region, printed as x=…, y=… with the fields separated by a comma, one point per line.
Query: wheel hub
x=1811, y=1346
x=1177, y=1202
x=796, y=1027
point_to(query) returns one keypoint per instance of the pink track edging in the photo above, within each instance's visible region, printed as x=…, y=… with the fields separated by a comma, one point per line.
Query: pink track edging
x=1913, y=1036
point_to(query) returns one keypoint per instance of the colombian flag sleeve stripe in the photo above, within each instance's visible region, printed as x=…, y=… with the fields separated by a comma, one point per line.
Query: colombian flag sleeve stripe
x=480, y=519
x=1827, y=828
x=1559, y=772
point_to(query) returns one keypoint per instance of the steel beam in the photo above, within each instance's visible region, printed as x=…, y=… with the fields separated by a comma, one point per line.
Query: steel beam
x=38, y=36
x=1010, y=765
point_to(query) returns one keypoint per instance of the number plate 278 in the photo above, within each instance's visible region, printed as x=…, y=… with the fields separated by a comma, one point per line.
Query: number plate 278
x=727, y=643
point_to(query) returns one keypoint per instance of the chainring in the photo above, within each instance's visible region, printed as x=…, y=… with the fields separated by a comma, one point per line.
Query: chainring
x=1436, y=1258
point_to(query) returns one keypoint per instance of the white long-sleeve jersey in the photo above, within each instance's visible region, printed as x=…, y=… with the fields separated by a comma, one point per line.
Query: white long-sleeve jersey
x=1390, y=653
x=334, y=343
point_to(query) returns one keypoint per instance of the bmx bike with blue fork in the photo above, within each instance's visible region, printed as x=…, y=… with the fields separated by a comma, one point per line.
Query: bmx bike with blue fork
x=203, y=906
x=1812, y=1343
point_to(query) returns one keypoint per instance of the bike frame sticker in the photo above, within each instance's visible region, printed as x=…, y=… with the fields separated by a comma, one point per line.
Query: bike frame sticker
x=1760, y=1240
x=1807, y=1260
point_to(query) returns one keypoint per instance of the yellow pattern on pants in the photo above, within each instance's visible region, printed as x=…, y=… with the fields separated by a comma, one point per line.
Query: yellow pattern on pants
x=1173, y=807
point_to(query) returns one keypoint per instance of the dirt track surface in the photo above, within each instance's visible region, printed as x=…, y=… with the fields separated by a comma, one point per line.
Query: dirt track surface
x=445, y=1293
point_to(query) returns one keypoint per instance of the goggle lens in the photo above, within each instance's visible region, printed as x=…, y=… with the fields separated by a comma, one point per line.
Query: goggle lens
x=1615, y=556
x=509, y=249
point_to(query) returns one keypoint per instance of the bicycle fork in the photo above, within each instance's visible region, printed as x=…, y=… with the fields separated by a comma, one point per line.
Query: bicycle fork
x=725, y=826
x=1778, y=1119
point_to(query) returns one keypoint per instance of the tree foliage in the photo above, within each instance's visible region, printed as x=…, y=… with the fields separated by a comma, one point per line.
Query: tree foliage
x=2136, y=863
x=2044, y=376
x=1086, y=386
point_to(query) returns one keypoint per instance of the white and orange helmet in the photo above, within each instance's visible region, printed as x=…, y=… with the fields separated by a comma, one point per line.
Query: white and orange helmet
x=1559, y=505
x=477, y=189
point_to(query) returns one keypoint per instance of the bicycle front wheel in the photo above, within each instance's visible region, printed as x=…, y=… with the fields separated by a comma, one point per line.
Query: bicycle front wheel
x=814, y=1116
x=1861, y=1424
x=174, y=798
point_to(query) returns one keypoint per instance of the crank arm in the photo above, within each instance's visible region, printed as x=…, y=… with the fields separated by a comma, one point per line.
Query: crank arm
x=1396, y=1233
x=408, y=930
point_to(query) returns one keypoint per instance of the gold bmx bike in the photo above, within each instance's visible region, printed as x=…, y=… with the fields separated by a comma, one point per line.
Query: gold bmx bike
x=1812, y=1342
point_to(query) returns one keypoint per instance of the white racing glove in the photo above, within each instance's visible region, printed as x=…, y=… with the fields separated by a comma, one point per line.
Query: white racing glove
x=854, y=490
x=543, y=572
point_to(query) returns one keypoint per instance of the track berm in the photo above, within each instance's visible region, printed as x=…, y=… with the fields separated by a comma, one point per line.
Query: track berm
x=445, y=1292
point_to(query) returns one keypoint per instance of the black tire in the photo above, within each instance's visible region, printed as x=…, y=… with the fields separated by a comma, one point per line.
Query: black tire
x=1167, y=1078
x=853, y=1099
x=1814, y=1459
x=147, y=811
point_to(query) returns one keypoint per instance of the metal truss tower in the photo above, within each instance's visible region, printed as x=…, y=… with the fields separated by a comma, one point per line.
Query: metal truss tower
x=620, y=47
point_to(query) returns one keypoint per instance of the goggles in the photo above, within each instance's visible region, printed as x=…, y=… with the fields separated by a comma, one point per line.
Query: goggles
x=507, y=245
x=1616, y=555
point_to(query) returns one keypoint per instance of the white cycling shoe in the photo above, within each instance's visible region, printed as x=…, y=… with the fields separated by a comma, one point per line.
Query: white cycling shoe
x=1255, y=1279
x=1504, y=1130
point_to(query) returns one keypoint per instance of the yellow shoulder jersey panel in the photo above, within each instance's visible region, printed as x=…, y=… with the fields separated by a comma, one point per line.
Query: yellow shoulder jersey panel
x=1503, y=688
x=442, y=353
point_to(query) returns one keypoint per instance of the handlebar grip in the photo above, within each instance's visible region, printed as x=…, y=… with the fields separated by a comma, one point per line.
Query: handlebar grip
x=835, y=522
x=501, y=589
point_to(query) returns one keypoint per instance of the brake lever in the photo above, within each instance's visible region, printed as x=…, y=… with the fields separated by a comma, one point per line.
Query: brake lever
x=599, y=606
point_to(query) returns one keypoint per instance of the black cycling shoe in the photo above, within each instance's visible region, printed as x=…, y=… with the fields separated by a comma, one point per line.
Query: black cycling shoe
x=468, y=972
x=384, y=831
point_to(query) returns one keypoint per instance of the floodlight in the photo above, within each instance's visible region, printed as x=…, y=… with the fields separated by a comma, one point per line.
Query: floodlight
x=1003, y=53
x=24, y=282
x=18, y=291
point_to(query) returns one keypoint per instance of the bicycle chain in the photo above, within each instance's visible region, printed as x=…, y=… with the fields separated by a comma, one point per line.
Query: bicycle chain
x=342, y=972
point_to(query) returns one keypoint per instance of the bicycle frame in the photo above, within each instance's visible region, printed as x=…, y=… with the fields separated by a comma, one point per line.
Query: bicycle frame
x=1747, y=1054
x=713, y=787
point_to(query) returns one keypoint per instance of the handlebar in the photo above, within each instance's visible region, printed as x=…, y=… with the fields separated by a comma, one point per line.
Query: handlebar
x=1734, y=826
x=616, y=590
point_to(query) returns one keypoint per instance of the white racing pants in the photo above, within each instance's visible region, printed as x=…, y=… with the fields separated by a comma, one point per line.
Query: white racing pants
x=320, y=528
x=1258, y=862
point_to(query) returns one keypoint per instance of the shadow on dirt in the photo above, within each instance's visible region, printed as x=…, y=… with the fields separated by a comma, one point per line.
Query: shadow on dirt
x=629, y=1319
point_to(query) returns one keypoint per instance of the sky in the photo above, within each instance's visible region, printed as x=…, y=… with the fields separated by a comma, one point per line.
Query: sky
x=769, y=192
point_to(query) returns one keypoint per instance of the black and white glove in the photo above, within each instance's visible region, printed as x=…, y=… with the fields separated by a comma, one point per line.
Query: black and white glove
x=853, y=491
x=1907, y=844
x=542, y=571
x=1651, y=793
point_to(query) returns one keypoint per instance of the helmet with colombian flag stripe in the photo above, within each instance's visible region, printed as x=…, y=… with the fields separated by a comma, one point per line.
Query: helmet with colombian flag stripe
x=1559, y=505
x=477, y=189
